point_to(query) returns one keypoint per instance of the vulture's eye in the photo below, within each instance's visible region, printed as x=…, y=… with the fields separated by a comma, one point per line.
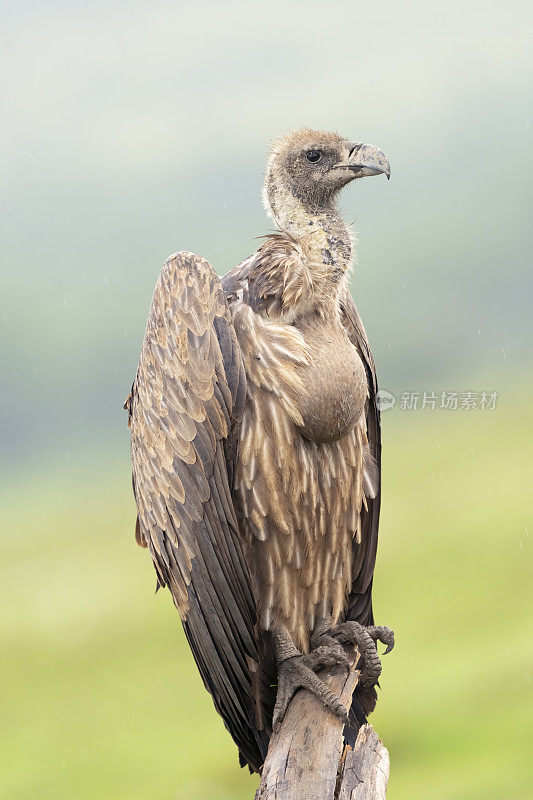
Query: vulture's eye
x=313, y=156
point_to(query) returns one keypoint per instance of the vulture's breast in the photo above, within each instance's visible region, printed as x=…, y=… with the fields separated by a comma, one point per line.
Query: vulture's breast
x=335, y=384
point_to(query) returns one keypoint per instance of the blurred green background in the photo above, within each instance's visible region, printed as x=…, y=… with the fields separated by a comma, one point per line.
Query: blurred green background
x=130, y=131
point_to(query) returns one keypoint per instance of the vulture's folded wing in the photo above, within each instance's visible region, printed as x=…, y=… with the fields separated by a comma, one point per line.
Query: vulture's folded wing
x=185, y=409
x=360, y=598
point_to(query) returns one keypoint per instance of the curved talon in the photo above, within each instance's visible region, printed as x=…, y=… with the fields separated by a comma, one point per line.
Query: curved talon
x=383, y=634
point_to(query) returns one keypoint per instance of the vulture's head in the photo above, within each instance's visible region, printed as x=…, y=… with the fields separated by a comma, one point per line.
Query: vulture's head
x=312, y=166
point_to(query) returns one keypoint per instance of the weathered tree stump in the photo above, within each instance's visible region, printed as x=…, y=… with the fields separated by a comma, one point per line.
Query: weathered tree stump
x=307, y=758
x=364, y=771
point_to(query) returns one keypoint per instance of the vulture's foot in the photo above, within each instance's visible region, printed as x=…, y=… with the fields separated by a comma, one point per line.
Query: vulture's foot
x=295, y=671
x=365, y=639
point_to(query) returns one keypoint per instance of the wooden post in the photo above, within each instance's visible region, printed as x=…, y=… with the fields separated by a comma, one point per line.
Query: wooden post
x=307, y=758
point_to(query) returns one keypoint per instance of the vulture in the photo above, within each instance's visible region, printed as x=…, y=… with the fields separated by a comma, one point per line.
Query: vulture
x=255, y=440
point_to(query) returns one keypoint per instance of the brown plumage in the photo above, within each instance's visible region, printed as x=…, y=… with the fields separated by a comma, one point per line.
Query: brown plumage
x=256, y=447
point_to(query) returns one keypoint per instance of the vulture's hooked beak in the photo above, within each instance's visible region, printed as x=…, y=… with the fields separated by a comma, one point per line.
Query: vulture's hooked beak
x=365, y=159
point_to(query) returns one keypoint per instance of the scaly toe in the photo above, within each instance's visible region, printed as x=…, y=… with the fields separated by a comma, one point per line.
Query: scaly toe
x=358, y=635
x=294, y=674
x=327, y=655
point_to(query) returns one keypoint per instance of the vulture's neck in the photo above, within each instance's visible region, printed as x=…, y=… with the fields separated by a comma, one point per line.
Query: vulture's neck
x=321, y=231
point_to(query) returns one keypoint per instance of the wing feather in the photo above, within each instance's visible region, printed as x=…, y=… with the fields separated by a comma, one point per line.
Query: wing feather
x=359, y=603
x=360, y=598
x=185, y=411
